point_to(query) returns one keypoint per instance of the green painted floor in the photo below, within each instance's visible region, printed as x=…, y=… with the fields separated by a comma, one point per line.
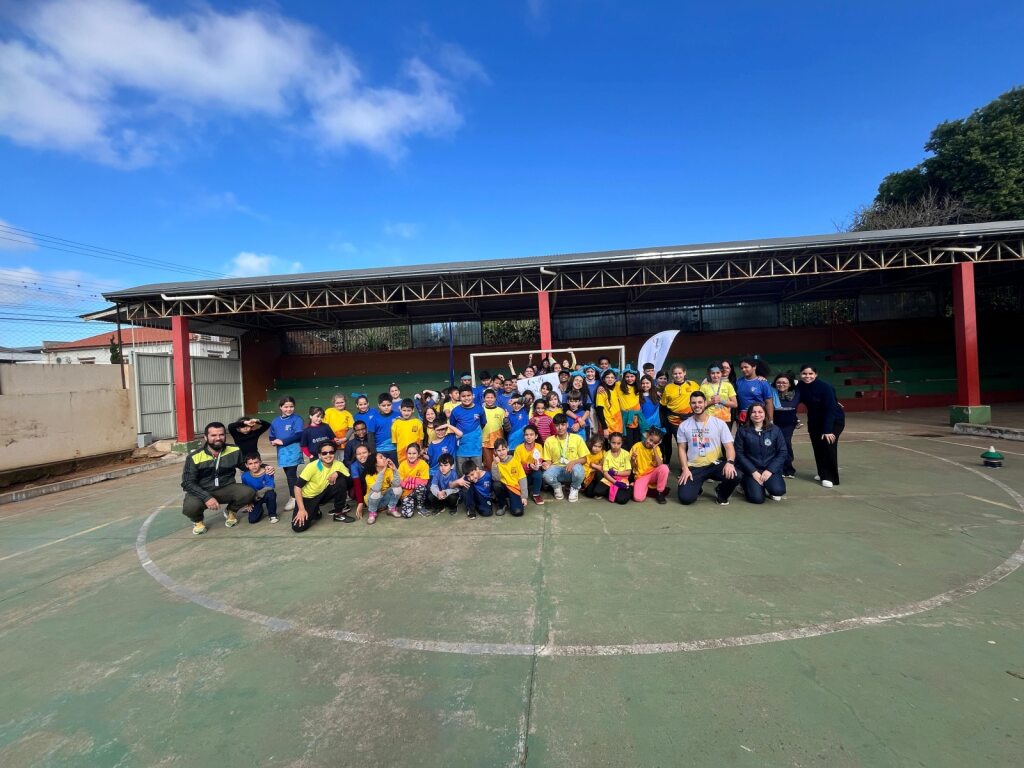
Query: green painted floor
x=456, y=642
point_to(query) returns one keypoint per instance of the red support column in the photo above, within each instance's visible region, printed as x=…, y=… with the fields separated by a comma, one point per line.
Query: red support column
x=544, y=315
x=968, y=377
x=182, y=362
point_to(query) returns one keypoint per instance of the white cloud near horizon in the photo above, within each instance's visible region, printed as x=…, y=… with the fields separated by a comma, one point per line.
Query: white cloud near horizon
x=112, y=79
x=249, y=264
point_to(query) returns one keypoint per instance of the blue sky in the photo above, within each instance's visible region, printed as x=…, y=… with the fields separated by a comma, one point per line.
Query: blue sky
x=263, y=138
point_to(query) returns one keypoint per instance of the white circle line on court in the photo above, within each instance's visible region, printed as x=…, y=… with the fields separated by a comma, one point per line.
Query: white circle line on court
x=1000, y=572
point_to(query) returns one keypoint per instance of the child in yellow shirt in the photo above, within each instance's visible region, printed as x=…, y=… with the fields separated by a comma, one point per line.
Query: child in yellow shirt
x=415, y=477
x=648, y=467
x=592, y=474
x=616, y=469
x=509, y=481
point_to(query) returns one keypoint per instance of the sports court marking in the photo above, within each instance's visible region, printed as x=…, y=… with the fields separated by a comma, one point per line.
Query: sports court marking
x=58, y=541
x=1000, y=572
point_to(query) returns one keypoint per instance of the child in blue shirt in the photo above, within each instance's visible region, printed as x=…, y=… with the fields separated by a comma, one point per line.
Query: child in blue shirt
x=579, y=419
x=468, y=417
x=444, y=494
x=446, y=440
x=477, y=487
x=379, y=423
x=260, y=478
x=515, y=422
x=286, y=434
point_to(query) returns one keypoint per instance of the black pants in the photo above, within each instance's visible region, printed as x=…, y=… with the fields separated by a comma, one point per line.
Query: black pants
x=787, y=432
x=690, y=490
x=235, y=495
x=826, y=455
x=755, y=492
x=622, y=495
x=451, y=503
x=336, y=493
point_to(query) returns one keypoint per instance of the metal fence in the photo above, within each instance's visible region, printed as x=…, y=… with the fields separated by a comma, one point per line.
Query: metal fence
x=154, y=387
x=216, y=391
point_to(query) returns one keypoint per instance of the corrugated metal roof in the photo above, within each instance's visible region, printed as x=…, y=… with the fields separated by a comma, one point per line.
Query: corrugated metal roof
x=807, y=242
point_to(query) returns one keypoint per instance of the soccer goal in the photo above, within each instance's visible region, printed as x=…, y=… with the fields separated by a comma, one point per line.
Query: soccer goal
x=519, y=357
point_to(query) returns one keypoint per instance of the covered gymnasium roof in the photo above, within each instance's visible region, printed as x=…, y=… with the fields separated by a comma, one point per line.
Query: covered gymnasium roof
x=817, y=266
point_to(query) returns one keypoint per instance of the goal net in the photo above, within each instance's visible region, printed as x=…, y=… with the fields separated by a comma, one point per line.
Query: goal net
x=499, y=361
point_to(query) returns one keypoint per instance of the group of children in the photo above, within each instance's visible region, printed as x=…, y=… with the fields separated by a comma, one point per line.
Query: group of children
x=600, y=432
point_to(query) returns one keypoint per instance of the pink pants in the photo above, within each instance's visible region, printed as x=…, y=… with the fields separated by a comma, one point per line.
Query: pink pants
x=660, y=478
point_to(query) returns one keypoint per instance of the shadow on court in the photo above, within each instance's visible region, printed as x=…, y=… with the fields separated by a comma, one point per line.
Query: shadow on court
x=876, y=623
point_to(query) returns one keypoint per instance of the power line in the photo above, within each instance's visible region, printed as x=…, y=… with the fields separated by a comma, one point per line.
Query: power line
x=42, y=240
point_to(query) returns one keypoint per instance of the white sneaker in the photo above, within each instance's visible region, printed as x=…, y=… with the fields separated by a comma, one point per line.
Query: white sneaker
x=817, y=478
x=558, y=492
x=290, y=505
x=776, y=498
x=574, y=494
x=826, y=483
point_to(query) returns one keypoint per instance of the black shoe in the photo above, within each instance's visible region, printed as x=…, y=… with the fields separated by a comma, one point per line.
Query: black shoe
x=660, y=497
x=721, y=502
x=471, y=515
x=341, y=517
x=500, y=511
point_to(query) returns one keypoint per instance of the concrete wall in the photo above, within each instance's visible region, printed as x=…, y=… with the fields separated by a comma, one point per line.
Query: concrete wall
x=56, y=413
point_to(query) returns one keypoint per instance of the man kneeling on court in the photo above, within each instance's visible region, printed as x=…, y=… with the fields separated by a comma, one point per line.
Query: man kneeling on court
x=208, y=480
x=321, y=481
x=702, y=440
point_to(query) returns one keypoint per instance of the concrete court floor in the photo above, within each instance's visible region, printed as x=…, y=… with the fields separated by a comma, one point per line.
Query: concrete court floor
x=584, y=635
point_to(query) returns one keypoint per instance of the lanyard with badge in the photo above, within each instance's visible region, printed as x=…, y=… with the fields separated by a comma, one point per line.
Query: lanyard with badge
x=563, y=448
x=216, y=472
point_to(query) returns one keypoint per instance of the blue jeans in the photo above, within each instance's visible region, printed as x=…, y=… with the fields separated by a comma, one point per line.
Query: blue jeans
x=535, y=481
x=557, y=474
x=268, y=502
x=387, y=499
x=503, y=497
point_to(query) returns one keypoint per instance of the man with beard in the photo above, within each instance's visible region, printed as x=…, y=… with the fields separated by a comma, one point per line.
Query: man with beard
x=706, y=452
x=208, y=480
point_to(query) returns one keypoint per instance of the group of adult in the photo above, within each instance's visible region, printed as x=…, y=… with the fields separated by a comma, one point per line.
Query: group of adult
x=494, y=448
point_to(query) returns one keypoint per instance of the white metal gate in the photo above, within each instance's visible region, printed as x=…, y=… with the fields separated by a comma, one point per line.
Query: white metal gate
x=154, y=388
x=216, y=391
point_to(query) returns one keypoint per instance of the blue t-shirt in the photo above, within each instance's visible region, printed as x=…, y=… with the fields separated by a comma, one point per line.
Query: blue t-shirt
x=266, y=480
x=502, y=400
x=592, y=388
x=470, y=422
x=751, y=391
x=441, y=480
x=449, y=444
x=289, y=430
x=517, y=422
x=380, y=425
x=483, y=486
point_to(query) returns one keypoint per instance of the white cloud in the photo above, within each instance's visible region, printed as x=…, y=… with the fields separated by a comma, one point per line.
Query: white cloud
x=111, y=79
x=402, y=229
x=13, y=240
x=249, y=264
x=228, y=202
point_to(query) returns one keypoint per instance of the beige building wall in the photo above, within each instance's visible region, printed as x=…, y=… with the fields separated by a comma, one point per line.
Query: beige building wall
x=54, y=413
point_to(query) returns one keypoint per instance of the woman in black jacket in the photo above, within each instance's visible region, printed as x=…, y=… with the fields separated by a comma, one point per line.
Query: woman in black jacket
x=760, y=456
x=825, y=423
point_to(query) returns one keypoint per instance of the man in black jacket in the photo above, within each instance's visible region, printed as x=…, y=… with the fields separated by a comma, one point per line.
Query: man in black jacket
x=208, y=480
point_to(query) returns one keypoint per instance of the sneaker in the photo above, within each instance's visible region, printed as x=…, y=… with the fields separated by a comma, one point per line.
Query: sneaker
x=274, y=518
x=393, y=511
x=347, y=508
x=230, y=520
x=423, y=512
x=538, y=500
x=290, y=506
x=776, y=498
x=341, y=517
x=558, y=492
x=826, y=483
x=471, y=514
x=721, y=502
x=199, y=528
x=574, y=494
x=790, y=476
x=371, y=518
x=500, y=511
x=660, y=497
x=817, y=478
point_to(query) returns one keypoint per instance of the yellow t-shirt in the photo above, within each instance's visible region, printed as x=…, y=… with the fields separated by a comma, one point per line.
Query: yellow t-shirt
x=510, y=472
x=448, y=407
x=644, y=458
x=612, y=414
x=619, y=464
x=525, y=455
x=572, y=447
x=593, y=460
x=413, y=475
x=676, y=397
x=317, y=476
x=627, y=401
x=405, y=432
x=339, y=421
x=389, y=478
x=725, y=390
x=492, y=426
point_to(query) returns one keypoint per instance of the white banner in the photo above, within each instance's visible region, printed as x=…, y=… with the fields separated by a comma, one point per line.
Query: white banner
x=655, y=350
x=533, y=384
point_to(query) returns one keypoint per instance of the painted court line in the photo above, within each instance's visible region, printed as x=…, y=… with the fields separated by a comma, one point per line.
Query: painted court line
x=550, y=648
x=72, y=536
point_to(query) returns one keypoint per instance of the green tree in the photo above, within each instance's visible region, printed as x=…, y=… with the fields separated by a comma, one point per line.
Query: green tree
x=975, y=172
x=115, y=352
